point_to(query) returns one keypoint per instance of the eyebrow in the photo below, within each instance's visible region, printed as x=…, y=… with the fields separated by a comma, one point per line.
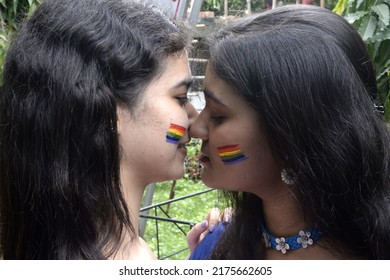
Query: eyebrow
x=186, y=82
x=212, y=96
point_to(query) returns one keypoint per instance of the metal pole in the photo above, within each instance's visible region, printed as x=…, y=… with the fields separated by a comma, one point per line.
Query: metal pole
x=225, y=7
x=274, y=4
x=195, y=9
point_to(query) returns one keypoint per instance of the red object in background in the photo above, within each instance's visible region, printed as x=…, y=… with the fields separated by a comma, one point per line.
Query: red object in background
x=268, y=4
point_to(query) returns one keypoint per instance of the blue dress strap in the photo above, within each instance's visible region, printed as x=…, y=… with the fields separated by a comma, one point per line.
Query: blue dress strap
x=204, y=248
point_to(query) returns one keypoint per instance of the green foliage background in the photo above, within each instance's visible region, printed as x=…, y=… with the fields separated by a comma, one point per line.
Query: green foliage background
x=371, y=18
x=12, y=12
x=193, y=209
x=256, y=5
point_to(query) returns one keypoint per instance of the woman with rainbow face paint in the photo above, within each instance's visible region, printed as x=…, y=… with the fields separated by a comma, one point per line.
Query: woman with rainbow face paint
x=299, y=146
x=93, y=109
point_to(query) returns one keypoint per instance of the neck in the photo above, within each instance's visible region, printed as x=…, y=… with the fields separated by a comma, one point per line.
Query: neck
x=133, y=247
x=133, y=190
x=283, y=215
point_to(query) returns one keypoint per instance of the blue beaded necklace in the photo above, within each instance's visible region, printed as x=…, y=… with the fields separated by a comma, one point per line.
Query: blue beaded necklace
x=303, y=239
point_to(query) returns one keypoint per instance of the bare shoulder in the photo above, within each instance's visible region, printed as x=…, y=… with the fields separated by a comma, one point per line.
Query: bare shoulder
x=145, y=252
x=137, y=249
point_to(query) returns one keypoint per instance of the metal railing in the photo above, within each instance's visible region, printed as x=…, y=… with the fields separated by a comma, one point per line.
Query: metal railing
x=169, y=219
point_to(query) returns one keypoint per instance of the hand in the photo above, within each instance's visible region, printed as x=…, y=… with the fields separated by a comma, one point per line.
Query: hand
x=200, y=230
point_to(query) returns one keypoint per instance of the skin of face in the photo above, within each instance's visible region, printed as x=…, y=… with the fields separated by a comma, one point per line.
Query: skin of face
x=228, y=120
x=146, y=156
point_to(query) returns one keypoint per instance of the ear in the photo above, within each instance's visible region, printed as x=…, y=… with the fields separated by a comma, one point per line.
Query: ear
x=119, y=118
x=123, y=118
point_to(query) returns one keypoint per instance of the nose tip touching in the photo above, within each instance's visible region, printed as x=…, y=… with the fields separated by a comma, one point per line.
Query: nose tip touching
x=198, y=128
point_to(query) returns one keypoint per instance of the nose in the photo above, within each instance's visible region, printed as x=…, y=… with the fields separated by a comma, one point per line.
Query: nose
x=191, y=112
x=199, y=128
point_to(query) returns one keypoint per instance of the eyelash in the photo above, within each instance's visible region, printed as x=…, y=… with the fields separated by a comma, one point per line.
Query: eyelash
x=182, y=100
x=217, y=119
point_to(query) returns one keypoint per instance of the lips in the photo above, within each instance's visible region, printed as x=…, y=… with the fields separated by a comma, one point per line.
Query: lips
x=182, y=146
x=203, y=158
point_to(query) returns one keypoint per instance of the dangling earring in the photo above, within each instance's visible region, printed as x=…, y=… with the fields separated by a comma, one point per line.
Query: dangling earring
x=288, y=176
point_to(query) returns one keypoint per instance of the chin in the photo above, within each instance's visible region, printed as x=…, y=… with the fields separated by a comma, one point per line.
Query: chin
x=177, y=174
x=170, y=174
x=209, y=182
x=208, y=177
x=217, y=183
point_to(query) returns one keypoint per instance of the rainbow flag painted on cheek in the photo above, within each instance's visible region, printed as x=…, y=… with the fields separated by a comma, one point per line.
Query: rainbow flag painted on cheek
x=175, y=133
x=231, y=154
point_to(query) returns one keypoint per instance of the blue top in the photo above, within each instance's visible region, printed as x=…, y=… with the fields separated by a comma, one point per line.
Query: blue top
x=204, y=248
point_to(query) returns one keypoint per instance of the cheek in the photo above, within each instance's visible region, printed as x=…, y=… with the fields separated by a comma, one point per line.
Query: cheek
x=262, y=171
x=229, y=162
x=175, y=133
x=231, y=154
x=167, y=128
x=242, y=167
x=169, y=123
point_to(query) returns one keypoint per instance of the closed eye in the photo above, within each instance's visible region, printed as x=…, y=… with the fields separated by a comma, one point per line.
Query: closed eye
x=183, y=100
x=217, y=119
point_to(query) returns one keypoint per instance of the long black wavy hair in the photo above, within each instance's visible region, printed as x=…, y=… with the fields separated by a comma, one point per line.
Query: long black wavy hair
x=70, y=65
x=308, y=74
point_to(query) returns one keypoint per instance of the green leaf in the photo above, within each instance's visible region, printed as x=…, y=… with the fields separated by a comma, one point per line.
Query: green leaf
x=15, y=7
x=368, y=4
x=384, y=72
x=380, y=36
x=351, y=18
x=381, y=26
x=367, y=28
x=32, y=8
x=340, y=7
x=387, y=108
x=358, y=4
x=383, y=59
x=382, y=10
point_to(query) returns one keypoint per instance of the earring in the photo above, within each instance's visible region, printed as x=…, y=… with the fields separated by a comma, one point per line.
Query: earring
x=287, y=176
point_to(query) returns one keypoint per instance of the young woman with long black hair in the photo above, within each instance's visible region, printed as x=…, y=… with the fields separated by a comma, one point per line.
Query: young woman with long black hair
x=291, y=131
x=94, y=107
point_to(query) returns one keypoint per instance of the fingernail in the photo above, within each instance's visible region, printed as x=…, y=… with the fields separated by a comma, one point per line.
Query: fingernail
x=212, y=227
x=204, y=224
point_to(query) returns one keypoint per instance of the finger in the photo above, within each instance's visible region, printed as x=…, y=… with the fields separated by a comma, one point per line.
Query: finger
x=194, y=235
x=227, y=215
x=203, y=235
x=213, y=218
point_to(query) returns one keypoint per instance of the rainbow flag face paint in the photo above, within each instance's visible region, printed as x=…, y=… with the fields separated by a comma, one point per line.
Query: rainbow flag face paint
x=175, y=133
x=231, y=154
